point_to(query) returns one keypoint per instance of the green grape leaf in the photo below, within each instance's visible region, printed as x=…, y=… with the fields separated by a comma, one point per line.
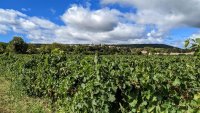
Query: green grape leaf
x=111, y=98
x=176, y=82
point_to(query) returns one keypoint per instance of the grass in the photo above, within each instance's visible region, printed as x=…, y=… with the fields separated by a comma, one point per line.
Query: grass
x=14, y=101
x=4, y=96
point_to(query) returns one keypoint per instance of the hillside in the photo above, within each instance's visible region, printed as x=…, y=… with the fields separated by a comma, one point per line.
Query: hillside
x=147, y=45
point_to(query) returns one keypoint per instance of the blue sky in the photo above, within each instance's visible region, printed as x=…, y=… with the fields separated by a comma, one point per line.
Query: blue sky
x=100, y=21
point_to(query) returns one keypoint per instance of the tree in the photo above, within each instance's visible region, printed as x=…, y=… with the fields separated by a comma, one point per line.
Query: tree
x=45, y=49
x=57, y=45
x=17, y=45
x=32, y=49
x=193, y=44
x=2, y=47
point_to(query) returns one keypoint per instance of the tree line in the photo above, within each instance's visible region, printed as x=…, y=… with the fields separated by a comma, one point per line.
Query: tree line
x=19, y=46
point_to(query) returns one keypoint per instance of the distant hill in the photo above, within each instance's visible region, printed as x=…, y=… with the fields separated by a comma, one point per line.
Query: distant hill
x=3, y=44
x=146, y=45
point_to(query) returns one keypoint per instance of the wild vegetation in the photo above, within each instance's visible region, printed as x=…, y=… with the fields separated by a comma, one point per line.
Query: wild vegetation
x=74, y=83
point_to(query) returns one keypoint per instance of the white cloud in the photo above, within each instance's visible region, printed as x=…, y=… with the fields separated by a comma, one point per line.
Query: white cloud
x=26, y=9
x=9, y=16
x=3, y=29
x=194, y=36
x=150, y=24
x=164, y=14
x=123, y=32
x=85, y=19
x=147, y=40
x=33, y=27
x=43, y=23
x=27, y=24
x=82, y=25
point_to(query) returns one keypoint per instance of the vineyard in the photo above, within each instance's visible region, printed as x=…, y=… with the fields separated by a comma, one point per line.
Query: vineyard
x=107, y=84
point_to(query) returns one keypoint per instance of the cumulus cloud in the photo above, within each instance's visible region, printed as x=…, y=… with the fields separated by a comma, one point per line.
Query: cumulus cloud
x=150, y=24
x=33, y=27
x=82, y=25
x=164, y=14
x=85, y=19
x=194, y=36
x=123, y=32
x=3, y=29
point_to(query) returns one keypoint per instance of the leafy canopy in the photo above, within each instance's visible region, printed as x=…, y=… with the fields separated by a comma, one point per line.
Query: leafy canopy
x=17, y=45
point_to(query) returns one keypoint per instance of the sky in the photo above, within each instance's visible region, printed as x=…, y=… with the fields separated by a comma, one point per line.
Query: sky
x=100, y=21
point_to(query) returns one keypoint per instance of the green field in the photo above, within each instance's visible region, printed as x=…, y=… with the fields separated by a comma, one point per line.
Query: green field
x=100, y=84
